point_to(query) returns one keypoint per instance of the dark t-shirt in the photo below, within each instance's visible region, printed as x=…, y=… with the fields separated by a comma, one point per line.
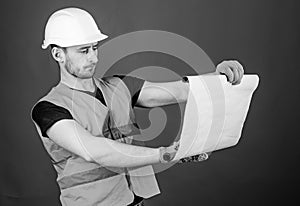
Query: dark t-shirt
x=45, y=113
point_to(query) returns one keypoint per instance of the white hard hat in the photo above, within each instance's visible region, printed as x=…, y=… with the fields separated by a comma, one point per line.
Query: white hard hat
x=71, y=27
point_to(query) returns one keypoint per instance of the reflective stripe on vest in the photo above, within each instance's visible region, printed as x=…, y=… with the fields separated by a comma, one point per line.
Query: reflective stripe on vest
x=88, y=176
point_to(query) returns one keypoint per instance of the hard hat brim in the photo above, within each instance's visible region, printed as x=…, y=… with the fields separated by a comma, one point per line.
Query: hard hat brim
x=99, y=37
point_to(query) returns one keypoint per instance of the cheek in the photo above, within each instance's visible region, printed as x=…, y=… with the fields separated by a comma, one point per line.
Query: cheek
x=77, y=64
x=79, y=61
x=72, y=67
x=68, y=65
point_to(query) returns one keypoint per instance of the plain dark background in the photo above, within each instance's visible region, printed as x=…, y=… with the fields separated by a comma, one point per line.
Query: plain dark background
x=263, y=169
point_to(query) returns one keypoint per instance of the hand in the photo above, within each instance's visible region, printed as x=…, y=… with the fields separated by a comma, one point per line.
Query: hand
x=196, y=158
x=167, y=154
x=232, y=69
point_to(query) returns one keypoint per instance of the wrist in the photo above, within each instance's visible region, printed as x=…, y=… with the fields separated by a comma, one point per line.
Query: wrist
x=164, y=155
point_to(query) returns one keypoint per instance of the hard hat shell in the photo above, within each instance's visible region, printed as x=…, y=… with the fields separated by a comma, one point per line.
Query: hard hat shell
x=71, y=27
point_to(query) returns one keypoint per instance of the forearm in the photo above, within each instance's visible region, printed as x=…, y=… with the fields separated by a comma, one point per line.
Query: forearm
x=155, y=94
x=73, y=137
x=116, y=154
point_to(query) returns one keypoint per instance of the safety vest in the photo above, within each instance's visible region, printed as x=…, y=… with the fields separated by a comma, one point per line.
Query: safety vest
x=85, y=183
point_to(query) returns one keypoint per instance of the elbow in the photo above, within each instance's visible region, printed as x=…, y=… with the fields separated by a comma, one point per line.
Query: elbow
x=87, y=155
x=97, y=160
x=150, y=102
x=96, y=157
x=87, y=158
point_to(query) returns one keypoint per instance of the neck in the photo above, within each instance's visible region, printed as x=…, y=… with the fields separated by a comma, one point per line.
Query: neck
x=76, y=83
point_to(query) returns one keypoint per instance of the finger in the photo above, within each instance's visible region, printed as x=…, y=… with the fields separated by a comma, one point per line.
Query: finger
x=229, y=74
x=235, y=72
x=235, y=69
x=238, y=81
x=176, y=145
x=240, y=66
x=240, y=71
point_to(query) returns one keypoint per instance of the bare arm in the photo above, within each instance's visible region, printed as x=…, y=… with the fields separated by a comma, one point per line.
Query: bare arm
x=73, y=137
x=154, y=94
x=159, y=94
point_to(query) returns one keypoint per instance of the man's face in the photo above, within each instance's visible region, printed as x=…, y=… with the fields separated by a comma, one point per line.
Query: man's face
x=81, y=60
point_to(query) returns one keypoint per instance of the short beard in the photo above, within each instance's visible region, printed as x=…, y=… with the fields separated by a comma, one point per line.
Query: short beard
x=68, y=68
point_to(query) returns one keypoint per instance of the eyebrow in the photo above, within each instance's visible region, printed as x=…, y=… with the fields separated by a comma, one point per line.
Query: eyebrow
x=82, y=48
x=87, y=47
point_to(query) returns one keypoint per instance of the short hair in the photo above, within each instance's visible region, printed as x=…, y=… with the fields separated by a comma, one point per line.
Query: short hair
x=54, y=45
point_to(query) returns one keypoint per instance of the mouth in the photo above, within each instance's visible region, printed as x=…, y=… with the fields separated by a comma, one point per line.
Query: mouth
x=90, y=67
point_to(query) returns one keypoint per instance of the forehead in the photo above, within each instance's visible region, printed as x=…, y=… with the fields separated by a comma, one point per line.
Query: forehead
x=83, y=46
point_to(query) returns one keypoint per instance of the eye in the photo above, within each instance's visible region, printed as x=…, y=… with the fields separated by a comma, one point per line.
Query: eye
x=85, y=51
x=95, y=47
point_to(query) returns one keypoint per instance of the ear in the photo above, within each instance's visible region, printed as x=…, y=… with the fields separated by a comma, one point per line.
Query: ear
x=58, y=54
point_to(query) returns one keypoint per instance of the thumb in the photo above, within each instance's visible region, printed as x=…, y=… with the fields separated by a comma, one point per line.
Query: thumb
x=174, y=146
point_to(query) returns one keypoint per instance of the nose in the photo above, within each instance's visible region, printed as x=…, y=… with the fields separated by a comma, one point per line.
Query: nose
x=93, y=57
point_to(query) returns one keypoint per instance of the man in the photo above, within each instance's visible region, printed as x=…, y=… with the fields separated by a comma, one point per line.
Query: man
x=87, y=124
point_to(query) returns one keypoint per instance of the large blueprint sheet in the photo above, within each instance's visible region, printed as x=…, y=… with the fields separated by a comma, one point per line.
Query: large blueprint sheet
x=215, y=113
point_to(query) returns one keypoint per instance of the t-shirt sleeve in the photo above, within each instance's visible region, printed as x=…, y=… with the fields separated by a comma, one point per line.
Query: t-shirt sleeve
x=45, y=114
x=134, y=86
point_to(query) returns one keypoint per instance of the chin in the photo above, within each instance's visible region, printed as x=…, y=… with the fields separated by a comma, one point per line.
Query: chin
x=85, y=77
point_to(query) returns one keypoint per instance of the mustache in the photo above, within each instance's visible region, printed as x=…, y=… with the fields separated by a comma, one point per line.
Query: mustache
x=90, y=65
